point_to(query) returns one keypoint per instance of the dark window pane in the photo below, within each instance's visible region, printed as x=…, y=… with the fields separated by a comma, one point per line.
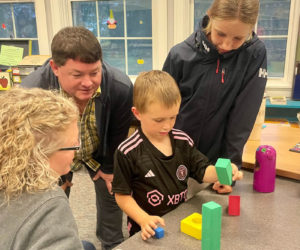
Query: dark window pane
x=6, y=29
x=111, y=18
x=273, y=17
x=114, y=53
x=35, y=47
x=24, y=14
x=276, y=51
x=200, y=8
x=84, y=14
x=139, y=56
x=139, y=18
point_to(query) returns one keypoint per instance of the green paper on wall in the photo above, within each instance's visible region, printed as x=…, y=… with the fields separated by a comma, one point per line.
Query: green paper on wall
x=10, y=55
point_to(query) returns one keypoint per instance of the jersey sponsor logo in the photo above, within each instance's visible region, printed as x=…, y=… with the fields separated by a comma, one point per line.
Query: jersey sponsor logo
x=262, y=73
x=150, y=174
x=155, y=198
x=181, y=172
x=177, y=198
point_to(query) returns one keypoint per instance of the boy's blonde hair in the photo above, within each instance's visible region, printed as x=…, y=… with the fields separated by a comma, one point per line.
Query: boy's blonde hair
x=155, y=86
x=32, y=127
x=244, y=10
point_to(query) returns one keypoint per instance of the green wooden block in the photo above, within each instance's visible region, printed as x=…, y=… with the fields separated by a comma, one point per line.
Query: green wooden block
x=211, y=226
x=224, y=171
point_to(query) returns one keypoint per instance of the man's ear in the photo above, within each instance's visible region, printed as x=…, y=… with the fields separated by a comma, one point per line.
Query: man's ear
x=136, y=113
x=54, y=67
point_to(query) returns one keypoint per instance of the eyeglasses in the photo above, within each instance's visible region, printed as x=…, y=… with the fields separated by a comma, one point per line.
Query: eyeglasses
x=75, y=148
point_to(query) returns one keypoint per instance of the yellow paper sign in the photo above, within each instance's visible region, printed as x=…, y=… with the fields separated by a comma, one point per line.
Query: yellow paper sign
x=10, y=55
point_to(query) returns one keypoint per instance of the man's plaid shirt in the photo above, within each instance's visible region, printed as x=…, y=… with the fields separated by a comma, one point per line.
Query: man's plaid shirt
x=88, y=136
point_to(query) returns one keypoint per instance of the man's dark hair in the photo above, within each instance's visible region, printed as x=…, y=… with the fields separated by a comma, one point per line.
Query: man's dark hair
x=77, y=43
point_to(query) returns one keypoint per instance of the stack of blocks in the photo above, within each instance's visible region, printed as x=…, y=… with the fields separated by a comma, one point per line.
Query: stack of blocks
x=224, y=171
x=192, y=225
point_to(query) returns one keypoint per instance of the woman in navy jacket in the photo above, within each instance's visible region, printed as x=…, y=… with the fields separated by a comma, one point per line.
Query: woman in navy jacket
x=221, y=72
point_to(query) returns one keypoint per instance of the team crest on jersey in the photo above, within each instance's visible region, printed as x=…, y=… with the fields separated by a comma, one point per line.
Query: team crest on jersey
x=181, y=172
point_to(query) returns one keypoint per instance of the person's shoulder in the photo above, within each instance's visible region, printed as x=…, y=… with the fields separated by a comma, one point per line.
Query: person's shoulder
x=116, y=76
x=181, y=136
x=184, y=49
x=51, y=194
x=256, y=47
x=187, y=44
x=131, y=144
x=43, y=77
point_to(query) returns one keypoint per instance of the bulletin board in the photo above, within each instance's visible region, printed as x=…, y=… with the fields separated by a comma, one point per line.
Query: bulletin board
x=17, y=43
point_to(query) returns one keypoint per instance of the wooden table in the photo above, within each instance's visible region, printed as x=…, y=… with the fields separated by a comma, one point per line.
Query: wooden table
x=268, y=221
x=282, y=138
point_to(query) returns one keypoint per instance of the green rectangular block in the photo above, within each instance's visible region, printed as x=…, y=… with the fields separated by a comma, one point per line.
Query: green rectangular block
x=224, y=171
x=211, y=226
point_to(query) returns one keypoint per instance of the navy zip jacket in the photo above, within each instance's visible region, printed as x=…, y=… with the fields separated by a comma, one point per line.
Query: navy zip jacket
x=112, y=108
x=221, y=94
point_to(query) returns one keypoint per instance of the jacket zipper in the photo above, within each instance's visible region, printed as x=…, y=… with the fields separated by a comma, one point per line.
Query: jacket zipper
x=223, y=75
x=223, y=71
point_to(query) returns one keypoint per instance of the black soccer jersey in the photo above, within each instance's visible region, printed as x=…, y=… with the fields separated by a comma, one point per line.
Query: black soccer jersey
x=157, y=183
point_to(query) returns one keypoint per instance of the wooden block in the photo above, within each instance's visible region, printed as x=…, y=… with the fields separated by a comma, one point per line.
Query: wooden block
x=234, y=205
x=192, y=225
x=211, y=225
x=159, y=232
x=224, y=171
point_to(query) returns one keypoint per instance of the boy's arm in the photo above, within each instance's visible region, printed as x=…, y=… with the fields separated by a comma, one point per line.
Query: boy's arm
x=199, y=162
x=236, y=175
x=210, y=175
x=134, y=211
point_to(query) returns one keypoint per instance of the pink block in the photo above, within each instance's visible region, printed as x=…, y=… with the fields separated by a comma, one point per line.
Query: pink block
x=234, y=205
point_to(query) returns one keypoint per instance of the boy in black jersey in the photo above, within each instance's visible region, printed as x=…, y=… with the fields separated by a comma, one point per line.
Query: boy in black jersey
x=152, y=166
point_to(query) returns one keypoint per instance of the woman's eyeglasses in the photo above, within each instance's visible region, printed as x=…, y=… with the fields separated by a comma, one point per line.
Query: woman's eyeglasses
x=75, y=148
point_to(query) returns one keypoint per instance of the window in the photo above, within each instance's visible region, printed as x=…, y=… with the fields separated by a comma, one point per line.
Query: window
x=124, y=29
x=18, y=21
x=272, y=29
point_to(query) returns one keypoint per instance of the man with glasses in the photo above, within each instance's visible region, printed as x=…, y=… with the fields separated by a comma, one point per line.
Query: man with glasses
x=76, y=69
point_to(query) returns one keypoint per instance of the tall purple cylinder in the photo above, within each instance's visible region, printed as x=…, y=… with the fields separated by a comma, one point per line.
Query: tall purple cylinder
x=265, y=169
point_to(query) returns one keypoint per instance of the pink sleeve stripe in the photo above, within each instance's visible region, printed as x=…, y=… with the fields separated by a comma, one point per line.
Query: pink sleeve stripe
x=133, y=146
x=179, y=132
x=184, y=139
x=129, y=140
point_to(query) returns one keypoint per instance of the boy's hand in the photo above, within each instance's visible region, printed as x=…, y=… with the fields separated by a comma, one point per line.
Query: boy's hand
x=149, y=224
x=236, y=175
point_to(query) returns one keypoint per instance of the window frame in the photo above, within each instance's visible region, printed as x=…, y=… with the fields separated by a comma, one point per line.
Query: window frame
x=42, y=35
x=60, y=13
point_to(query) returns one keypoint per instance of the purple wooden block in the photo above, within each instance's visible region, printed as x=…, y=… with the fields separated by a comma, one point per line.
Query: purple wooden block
x=265, y=169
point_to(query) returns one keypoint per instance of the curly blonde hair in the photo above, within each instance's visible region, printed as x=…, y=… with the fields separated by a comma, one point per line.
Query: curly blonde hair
x=32, y=124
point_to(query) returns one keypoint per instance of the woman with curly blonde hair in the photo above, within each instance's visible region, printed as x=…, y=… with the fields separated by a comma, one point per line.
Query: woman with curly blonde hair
x=38, y=137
